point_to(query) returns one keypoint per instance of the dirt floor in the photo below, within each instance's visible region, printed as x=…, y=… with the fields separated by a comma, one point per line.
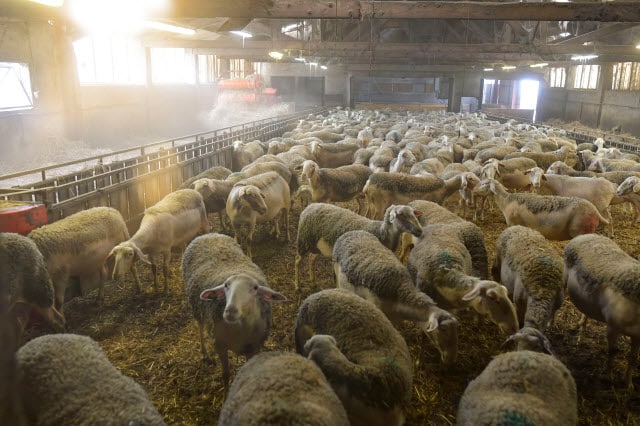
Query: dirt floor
x=153, y=338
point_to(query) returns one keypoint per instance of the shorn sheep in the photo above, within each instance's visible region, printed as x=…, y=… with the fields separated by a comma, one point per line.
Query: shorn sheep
x=531, y=269
x=25, y=284
x=555, y=217
x=66, y=379
x=279, y=388
x=171, y=222
x=228, y=296
x=604, y=284
x=321, y=224
x=520, y=388
x=364, y=266
x=78, y=246
x=364, y=358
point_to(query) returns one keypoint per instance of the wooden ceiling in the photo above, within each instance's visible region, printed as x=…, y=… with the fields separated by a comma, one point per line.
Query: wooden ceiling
x=397, y=32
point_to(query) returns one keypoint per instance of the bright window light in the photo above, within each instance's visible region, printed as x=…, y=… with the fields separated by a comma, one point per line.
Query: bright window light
x=583, y=57
x=539, y=65
x=169, y=28
x=509, y=67
x=313, y=64
x=15, y=86
x=276, y=55
x=52, y=3
x=243, y=34
x=171, y=65
x=565, y=34
x=111, y=16
x=488, y=69
x=299, y=59
x=110, y=59
x=324, y=67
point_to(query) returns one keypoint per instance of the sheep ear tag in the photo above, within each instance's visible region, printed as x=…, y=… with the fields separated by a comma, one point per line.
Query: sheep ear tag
x=213, y=293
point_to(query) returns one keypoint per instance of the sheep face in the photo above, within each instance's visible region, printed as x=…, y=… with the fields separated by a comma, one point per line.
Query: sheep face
x=254, y=198
x=442, y=329
x=536, y=176
x=531, y=339
x=629, y=185
x=125, y=254
x=492, y=299
x=241, y=293
x=309, y=168
x=405, y=218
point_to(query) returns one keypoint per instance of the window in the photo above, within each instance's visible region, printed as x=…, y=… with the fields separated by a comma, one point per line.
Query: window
x=173, y=66
x=108, y=59
x=557, y=77
x=236, y=68
x=586, y=77
x=626, y=76
x=15, y=86
x=206, y=69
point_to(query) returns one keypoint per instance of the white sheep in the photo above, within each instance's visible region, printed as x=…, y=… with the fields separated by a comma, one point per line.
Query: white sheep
x=25, y=284
x=367, y=268
x=441, y=266
x=364, y=358
x=340, y=184
x=67, y=379
x=403, y=163
x=262, y=198
x=245, y=153
x=531, y=269
x=78, y=246
x=171, y=222
x=520, y=388
x=333, y=155
x=555, y=217
x=228, y=296
x=603, y=283
x=281, y=388
x=321, y=224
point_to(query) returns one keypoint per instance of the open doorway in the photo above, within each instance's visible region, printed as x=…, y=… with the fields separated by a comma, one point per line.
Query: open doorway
x=516, y=98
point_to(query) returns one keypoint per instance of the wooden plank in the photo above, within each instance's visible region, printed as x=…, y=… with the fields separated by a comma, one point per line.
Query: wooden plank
x=118, y=200
x=151, y=190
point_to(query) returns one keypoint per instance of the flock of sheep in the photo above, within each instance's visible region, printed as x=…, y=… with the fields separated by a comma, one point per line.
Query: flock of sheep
x=401, y=256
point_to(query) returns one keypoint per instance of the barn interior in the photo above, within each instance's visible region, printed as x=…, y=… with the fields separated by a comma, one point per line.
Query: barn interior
x=83, y=79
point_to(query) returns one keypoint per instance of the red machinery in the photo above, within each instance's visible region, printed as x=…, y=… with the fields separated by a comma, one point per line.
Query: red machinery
x=246, y=91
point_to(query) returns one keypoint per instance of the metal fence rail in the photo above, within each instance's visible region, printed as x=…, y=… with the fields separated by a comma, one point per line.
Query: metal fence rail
x=147, y=174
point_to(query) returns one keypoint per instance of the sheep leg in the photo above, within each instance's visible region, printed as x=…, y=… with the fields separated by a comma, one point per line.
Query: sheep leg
x=632, y=362
x=154, y=271
x=312, y=267
x=224, y=360
x=607, y=215
x=276, y=225
x=102, y=277
x=286, y=224
x=361, y=207
x=582, y=325
x=203, y=347
x=612, y=346
x=165, y=270
x=136, y=278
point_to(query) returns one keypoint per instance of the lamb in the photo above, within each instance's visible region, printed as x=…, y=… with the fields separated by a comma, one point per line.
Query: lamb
x=245, y=153
x=340, y=184
x=599, y=191
x=321, y=224
x=365, y=267
x=531, y=269
x=258, y=199
x=384, y=189
x=469, y=234
x=403, y=163
x=303, y=394
x=511, y=173
x=333, y=155
x=440, y=266
x=25, y=284
x=171, y=222
x=602, y=280
x=79, y=245
x=228, y=296
x=215, y=193
x=524, y=388
x=364, y=358
x=66, y=379
x=555, y=217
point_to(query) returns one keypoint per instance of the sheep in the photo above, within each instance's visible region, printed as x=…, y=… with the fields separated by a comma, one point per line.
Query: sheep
x=384, y=189
x=609, y=165
x=228, y=297
x=11, y=409
x=428, y=166
x=364, y=358
x=303, y=194
x=258, y=199
x=403, y=163
x=545, y=159
x=367, y=268
x=67, y=379
x=333, y=155
x=498, y=152
x=511, y=172
x=79, y=245
x=273, y=166
x=340, y=184
x=561, y=168
x=245, y=153
x=321, y=224
x=531, y=269
x=602, y=281
x=555, y=217
x=25, y=285
x=215, y=193
x=363, y=155
x=381, y=158
x=520, y=388
x=469, y=234
x=440, y=266
x=281, y=388
x=599, y=191
x=216, y=172
x=171, y=222
x=467, y=196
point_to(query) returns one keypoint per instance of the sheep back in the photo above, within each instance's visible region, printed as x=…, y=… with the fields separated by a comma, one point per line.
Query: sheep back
x=277, y=388
x=67, y=379
x=340, y=184
x=217, y=172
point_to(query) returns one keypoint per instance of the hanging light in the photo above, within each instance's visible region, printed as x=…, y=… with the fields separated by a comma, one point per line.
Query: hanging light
x=583, y=57
x=539, y=65
x=488, y=69
x=276, y=55
x=243, y=34
x=509, y=67
x=299, y=59
x=324, y=67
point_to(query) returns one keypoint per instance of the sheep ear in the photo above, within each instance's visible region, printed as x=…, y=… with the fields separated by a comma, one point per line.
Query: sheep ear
x=417, y=213
x=214, y=293
x=273, y=296
x=636, y=187
x=298, y=168
x=433, y=323
x=478, y=290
